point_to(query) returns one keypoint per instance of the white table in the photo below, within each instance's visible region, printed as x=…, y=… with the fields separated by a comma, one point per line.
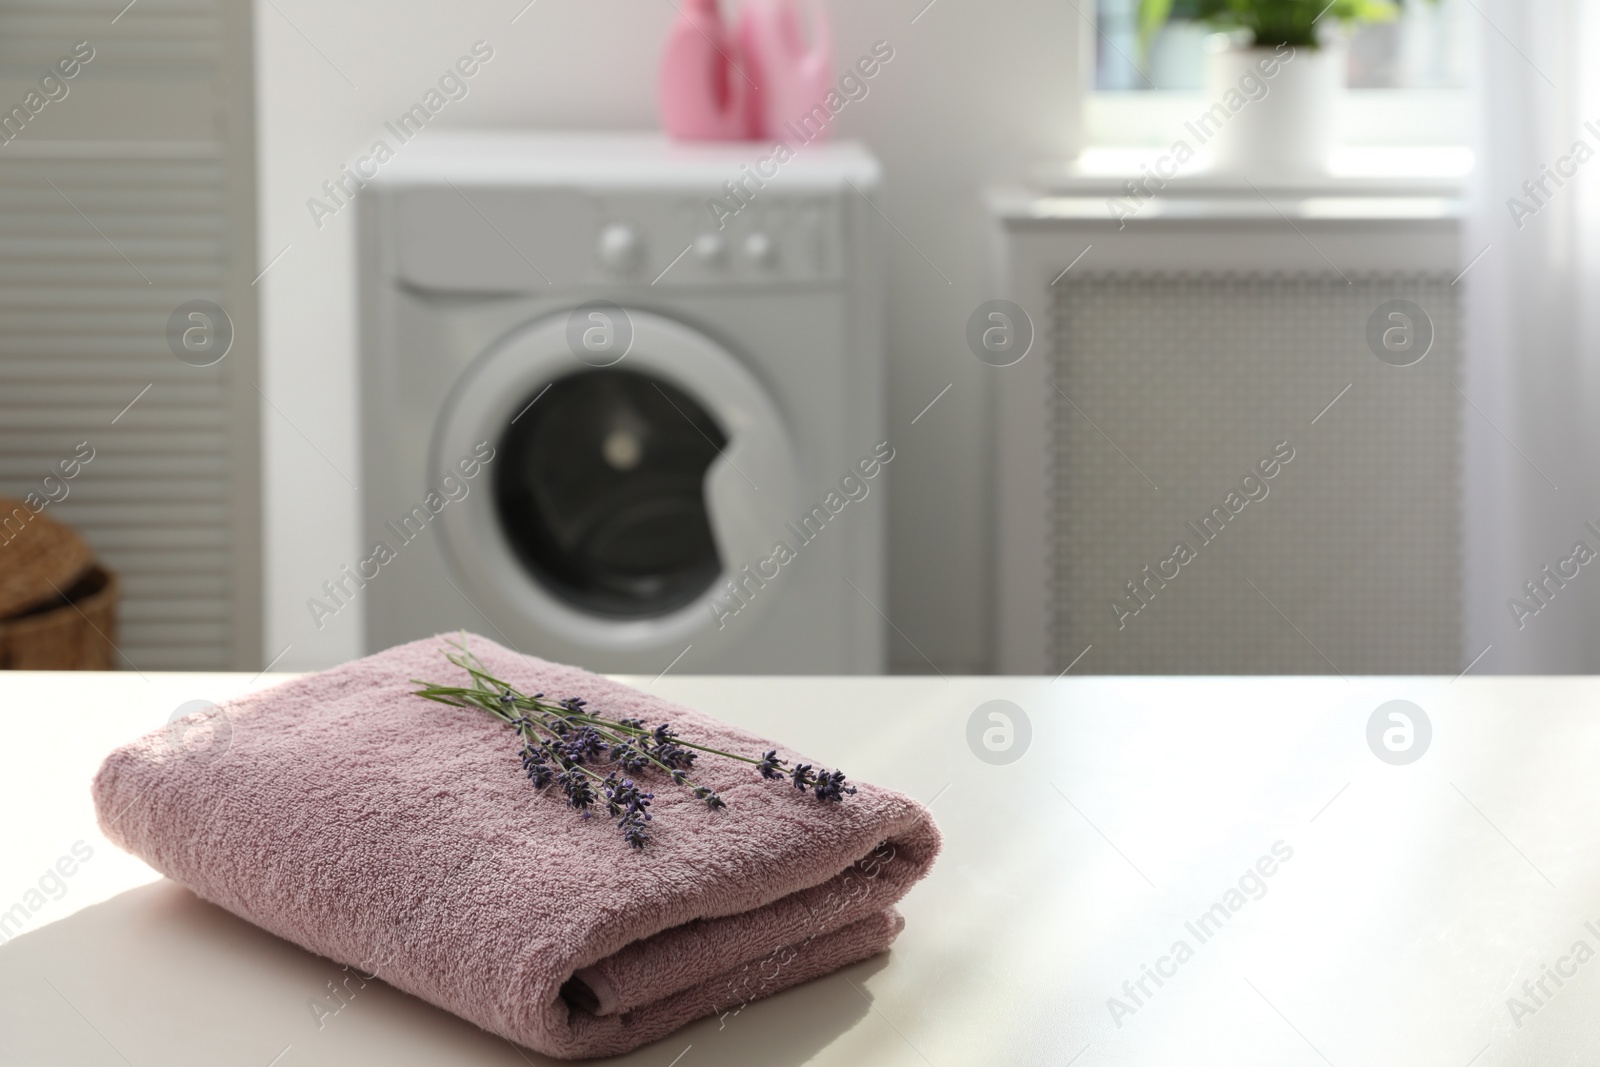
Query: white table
x=1417, y=900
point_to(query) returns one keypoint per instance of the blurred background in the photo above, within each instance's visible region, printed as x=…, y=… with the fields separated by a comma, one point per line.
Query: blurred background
x=1111, y=338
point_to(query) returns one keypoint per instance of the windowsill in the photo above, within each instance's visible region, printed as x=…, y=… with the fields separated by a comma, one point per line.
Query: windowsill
x=1376, y=117
x=1363, y=170
x=1394, y=143
x=1083, y=205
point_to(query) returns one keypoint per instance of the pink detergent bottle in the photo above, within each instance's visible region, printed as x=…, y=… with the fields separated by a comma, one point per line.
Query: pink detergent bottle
x=792, y=79
x=702, y=94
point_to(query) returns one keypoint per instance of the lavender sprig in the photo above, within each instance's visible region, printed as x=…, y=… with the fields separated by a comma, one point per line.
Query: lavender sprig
x=561, y=741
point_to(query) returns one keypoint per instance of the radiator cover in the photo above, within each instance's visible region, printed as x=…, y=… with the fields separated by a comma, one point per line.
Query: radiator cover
x=1166, y=391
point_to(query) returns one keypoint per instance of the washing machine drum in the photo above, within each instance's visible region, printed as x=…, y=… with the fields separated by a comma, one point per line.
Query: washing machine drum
x=600, y=492
x=623, y=490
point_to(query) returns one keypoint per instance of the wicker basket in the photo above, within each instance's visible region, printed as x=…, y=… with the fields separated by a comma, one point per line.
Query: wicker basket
x=77, y=634
x=58, y=608
x=39, y=558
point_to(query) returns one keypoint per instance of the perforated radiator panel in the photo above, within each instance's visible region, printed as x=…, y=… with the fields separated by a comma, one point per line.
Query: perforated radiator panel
x=1168, y=392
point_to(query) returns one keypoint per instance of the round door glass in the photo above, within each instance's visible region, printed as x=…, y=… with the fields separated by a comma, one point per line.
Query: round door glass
x=600, y=491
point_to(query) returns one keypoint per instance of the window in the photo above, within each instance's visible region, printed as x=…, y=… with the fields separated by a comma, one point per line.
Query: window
x=1409, y=76
x=1425, y=48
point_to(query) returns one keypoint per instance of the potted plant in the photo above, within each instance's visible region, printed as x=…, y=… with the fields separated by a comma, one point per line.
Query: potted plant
x=1274, y=76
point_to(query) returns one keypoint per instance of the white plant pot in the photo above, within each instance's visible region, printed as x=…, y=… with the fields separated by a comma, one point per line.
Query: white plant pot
x=1288, y=120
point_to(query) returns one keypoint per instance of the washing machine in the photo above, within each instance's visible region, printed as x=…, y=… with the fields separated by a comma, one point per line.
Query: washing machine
x=622, y=401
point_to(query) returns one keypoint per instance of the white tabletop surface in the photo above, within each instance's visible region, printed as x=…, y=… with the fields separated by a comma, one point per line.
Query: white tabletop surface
x=1417, y=900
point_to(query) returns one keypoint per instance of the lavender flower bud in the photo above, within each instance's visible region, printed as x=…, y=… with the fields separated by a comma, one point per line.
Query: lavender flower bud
x=831, y=786
x=534, y=762
x=576, y=785
x=633, y=831
x=710, y=797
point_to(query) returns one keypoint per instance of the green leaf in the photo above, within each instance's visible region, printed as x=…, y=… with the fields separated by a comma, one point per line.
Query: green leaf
x=1153, y=15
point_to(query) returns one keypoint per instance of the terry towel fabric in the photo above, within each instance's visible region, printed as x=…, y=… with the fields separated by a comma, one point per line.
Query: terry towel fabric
x=397, y=835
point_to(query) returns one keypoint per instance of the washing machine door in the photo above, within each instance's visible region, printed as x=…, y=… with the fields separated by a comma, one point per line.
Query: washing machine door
x=623, y=489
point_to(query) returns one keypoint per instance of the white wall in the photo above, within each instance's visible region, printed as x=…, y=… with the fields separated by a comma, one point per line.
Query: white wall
x=974, y=93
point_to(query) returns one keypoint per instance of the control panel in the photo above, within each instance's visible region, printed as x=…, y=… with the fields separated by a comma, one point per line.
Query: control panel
x=716, y=240
x=499, y=239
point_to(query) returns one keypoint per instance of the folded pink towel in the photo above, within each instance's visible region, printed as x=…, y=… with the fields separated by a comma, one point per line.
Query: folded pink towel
x=401, y=836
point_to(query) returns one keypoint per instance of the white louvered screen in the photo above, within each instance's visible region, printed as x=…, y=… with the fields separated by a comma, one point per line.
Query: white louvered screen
x=1170, y=389
x=119, y=202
